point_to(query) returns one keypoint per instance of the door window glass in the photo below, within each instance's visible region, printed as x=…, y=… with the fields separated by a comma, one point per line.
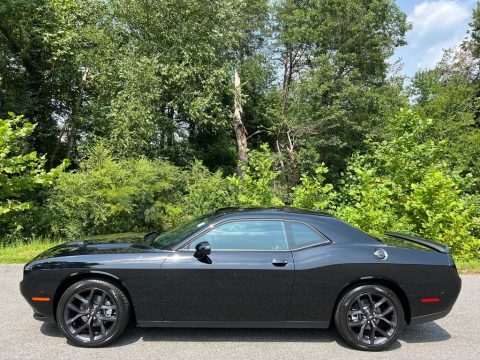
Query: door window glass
x=246, y=235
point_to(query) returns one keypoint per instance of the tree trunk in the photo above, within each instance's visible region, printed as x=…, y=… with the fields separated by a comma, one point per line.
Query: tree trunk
x=295, y=167
x=289, y=63
x=239, y=127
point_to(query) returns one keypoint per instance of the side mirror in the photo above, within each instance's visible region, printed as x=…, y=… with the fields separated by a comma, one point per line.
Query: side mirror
x=202, y=250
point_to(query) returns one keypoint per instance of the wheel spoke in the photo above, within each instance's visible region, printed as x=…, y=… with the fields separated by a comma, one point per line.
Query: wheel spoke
x=390, y=323
x=380, y=330
x=81, y=298
x=102, y=329
x=356, y=323
x=372, y=334
x=385, y=312
x=102, y=299
x=91, y=330
x=76, y=309
x=378, y=303
x=90, y=297
x=370, y=299
x=81, y=328
x=73, y=319
x=362, y=330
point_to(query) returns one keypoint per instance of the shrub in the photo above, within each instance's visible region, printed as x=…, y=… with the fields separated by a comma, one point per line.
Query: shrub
x=313, y=192
x=106, y=195
x=22, y=176
x=204, y=192
x=256, y=185
x=402, y=184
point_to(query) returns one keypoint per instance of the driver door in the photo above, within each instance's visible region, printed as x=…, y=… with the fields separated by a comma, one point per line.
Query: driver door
x=248, y=275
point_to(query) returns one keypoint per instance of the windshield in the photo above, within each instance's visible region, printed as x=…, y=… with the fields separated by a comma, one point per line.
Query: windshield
x=166, y=240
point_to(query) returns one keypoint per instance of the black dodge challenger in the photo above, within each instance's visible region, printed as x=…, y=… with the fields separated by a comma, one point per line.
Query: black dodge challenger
x=245, y=267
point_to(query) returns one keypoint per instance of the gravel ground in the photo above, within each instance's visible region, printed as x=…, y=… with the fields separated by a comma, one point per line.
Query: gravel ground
x=22, y=337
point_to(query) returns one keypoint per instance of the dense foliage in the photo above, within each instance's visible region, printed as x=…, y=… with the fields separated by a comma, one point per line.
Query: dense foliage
x=167, y=109
x=22, y=176
x=404, y=184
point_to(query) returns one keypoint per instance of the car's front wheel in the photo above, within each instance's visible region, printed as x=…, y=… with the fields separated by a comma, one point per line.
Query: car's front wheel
x=93, y=313
x=370, y=317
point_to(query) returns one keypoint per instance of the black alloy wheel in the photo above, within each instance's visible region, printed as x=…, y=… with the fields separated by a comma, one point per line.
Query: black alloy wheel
x=370, y=317
x=93, y=313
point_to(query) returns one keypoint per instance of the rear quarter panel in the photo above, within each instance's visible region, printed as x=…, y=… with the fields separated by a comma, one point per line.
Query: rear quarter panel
x=322, y=273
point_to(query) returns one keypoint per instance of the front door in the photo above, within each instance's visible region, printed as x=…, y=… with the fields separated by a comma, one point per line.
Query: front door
x=247, y=277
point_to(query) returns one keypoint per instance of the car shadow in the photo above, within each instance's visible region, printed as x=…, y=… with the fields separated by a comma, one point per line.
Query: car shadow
x=423, y=333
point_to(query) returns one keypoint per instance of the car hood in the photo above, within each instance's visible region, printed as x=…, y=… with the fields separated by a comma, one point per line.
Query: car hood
x=105, y=244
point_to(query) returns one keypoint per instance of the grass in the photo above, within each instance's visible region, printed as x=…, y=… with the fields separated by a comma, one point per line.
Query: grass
x=469, y=267
x=18, y=252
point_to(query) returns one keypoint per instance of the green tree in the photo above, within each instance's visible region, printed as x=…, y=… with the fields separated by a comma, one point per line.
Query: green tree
x=334, y=92
x=22, y=175
x=448, y=95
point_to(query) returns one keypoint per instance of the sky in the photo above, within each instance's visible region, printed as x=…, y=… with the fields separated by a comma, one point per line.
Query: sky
x=437, y=25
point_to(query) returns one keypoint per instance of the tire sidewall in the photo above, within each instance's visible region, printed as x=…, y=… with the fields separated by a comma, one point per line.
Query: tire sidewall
x=123, y=313
x=344, y=304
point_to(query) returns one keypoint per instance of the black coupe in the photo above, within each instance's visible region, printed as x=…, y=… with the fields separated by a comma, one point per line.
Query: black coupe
x=245, y=267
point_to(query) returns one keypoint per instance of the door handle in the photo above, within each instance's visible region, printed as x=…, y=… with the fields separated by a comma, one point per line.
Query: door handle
x=276, y=262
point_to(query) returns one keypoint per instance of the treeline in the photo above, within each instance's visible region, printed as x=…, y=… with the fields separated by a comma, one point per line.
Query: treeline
x=164, y=110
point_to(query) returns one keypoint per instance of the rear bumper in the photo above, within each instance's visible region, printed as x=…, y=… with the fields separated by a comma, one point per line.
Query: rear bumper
x=429, y=317
x=448, y=298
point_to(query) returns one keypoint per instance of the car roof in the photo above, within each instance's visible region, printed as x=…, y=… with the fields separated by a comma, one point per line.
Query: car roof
x=274, y=212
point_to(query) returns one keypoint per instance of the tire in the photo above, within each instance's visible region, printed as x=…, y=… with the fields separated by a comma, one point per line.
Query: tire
x=92, y=313
x=369, y=307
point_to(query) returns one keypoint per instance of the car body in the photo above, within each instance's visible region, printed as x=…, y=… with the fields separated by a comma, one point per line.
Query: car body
x=251, y=267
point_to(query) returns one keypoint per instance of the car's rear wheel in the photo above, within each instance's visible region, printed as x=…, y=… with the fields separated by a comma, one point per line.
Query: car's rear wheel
x=370, y=317
x=93, y=313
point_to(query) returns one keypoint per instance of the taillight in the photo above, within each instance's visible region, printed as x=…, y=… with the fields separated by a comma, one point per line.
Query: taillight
x=430, y=300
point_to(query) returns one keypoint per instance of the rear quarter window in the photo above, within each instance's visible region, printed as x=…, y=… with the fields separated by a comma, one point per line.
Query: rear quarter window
x=302, y=235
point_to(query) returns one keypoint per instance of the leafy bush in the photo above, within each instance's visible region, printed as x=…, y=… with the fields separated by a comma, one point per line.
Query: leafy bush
x=22, y=175
x=313, y=192
x=106, y=195
x=204, y=192
x=256, y=185
x=402, y=184
x=438, y=210
x=367, y=200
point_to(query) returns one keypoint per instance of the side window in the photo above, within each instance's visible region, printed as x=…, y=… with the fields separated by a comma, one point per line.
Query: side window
x=302, y=235
x=246, y=235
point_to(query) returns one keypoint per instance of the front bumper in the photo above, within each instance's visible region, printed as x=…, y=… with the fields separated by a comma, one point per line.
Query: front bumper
x=48, y=319
x=42, y=310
